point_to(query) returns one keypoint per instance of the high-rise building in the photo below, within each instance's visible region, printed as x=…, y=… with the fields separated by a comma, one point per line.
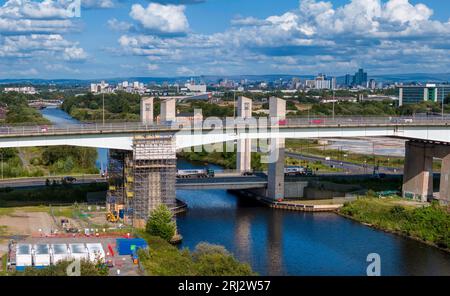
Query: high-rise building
x=360, y=78
x=348, y=80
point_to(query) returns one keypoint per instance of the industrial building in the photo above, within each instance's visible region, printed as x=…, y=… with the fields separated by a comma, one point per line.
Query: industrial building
x=412, y=94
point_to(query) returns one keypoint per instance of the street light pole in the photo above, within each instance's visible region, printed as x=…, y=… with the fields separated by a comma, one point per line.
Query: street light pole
x=333, y=105
x=103, y=108
x=234, y=102
x=442, y=103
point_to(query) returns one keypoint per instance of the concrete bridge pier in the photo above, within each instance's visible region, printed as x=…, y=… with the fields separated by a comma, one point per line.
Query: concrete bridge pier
x=275, y=182
x=148, y=175
x=418, y=171
x=444, y=190
x=244, y=146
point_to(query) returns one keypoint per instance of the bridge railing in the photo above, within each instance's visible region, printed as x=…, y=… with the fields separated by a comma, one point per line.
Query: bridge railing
x=288, y=122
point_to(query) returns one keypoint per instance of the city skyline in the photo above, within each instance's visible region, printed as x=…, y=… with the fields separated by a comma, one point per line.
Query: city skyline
x=39, y=39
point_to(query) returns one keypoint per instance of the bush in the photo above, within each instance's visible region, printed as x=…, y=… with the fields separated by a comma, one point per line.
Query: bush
x=87, y=269
x=215, y=260
x=161, y=223
x=163, y=259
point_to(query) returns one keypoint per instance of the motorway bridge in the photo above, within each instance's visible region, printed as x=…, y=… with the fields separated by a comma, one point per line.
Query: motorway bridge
x=151, y=156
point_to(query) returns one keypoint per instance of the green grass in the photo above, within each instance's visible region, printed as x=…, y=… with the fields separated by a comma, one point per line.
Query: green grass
x=429, y=224
x=67, y=212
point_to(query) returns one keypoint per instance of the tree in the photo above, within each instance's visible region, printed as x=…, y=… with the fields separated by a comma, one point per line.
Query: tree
x=161, y=223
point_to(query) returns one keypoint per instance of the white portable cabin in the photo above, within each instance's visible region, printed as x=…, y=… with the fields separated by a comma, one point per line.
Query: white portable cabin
x=41, y=255
x=23, y=256
x=60, y=252
x=96, y=252
x=78, y=251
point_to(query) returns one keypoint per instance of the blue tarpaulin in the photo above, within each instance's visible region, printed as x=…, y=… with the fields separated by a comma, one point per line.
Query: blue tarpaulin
x=126, y=246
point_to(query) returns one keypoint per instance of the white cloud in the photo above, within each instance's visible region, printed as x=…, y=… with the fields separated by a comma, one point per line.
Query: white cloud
x=98, y=3
x=161, y=18
x=183, y=70
x=74, y=54
x=117, y=25
x=317, y=36
x=152, y=67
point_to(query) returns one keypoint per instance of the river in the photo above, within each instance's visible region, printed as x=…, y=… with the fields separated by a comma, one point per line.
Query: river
x=277, y=242
x=60, y=117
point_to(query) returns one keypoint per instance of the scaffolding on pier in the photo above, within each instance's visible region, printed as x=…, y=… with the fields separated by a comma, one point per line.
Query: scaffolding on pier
x=142, y=179
x=150, y=176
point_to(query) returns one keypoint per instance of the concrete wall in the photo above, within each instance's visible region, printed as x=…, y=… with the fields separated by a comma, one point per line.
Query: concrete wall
x=147, y=110
x=418, y=171
x=168, y=110
x=295, y=189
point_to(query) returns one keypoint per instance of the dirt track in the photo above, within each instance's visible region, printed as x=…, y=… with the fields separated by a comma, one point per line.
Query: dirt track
x=27, y=223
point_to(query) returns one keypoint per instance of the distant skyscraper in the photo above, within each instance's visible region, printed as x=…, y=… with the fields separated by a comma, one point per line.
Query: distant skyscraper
x=348, y=80
x=360, y=78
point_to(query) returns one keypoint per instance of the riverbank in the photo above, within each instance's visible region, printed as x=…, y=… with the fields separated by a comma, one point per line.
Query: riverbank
x=429, y=224
x=163, y=259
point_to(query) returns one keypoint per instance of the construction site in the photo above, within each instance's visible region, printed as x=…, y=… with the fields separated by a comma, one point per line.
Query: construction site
x=142, y=179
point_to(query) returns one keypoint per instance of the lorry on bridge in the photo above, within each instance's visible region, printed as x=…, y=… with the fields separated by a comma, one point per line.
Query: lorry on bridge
x=195, y=173
x=297, y=171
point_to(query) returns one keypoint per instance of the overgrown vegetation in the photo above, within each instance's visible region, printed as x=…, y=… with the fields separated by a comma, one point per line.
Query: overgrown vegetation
x=87, y=268
x=163, y=259
x=430, y=224
x=68, y=193
x=18, y=110
x=39, y=161
x=119, y=106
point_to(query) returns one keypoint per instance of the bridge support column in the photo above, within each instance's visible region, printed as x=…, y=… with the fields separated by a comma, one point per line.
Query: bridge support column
x=444, y=191
x=244, y=147
x=168, y=110
x=275, y=182
x=150, y=176
x=418, y=171
x=147, y=110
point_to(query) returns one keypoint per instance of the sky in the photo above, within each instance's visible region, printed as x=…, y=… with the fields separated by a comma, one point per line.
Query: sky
x=93, y=39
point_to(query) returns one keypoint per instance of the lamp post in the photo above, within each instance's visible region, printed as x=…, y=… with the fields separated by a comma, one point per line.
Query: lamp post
x=103, y=108
x=442, y=103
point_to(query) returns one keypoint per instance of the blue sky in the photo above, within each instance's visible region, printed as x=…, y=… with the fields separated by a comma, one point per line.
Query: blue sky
x=117, y=38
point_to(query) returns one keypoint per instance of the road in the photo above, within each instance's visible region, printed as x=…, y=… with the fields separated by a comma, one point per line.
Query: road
x=40, y=181
x=351, y=167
